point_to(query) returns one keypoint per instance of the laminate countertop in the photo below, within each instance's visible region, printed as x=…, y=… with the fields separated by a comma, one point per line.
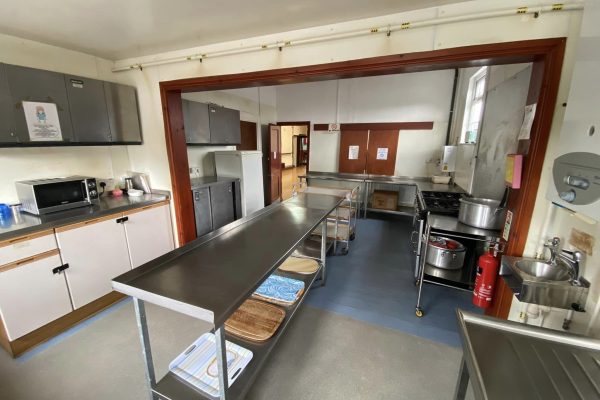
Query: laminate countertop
x=27, y=223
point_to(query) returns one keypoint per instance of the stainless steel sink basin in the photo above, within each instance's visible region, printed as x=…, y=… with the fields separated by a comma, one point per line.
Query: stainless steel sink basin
x=543, y=271
x=534, y=281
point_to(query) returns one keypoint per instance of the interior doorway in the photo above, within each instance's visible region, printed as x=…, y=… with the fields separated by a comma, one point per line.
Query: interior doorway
x=545, y=54
x=295, y=145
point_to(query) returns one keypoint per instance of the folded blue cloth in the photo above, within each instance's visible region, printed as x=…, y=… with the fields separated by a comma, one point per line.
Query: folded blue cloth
x=280, y=288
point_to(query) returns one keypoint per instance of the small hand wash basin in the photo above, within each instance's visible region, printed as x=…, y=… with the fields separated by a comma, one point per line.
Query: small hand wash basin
x=543, y=271
x=537, y=282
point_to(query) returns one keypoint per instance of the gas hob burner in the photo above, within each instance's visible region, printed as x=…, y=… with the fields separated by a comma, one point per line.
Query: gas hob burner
x=446, y=203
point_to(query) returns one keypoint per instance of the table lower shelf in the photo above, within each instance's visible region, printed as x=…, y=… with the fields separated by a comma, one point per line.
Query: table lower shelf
x=458, y=278
x=400, y=210
x=311, y=248
x=171, y=387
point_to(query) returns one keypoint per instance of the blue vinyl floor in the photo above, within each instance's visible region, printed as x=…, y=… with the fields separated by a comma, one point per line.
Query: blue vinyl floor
x=374, y=283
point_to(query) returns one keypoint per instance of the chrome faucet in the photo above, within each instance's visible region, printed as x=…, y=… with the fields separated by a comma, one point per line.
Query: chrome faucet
x=554, y=246
x=571, y=258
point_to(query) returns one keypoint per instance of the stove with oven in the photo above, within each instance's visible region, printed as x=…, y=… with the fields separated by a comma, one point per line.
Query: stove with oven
x=436, y=222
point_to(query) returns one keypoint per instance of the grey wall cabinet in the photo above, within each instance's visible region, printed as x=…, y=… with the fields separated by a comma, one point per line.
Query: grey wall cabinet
x=210, y=124
x=87, y=105
x=217, y=202
x=7, y=118
x=123, y=113
x=28, y=84
x=196, y=122
x=90, y=111
x=224, y=125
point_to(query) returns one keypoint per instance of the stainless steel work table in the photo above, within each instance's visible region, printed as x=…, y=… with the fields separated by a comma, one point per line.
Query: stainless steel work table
x=212, y=276
x=508, y=360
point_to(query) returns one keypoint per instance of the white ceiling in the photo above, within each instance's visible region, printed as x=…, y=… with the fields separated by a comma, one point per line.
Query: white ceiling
x=117, y=29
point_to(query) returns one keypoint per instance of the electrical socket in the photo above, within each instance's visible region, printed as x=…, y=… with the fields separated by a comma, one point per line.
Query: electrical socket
x=195, y=171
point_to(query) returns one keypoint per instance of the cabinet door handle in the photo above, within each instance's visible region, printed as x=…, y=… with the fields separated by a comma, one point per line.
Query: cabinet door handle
x=60, y=269
x=122, y=220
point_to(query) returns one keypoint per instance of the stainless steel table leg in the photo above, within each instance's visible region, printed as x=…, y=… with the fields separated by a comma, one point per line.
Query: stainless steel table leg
x=418, y=310
x=222, y=362
x=323, y=251
x=140, y=314
x=335, y=230
x=463, y=381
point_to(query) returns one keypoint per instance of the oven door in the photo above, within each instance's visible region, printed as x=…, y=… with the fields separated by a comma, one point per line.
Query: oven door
x=58, y=196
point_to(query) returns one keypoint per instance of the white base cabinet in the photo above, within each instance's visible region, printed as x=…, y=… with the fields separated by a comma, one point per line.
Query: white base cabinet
x=149, y=233
x=31, y=295
x=96, y=252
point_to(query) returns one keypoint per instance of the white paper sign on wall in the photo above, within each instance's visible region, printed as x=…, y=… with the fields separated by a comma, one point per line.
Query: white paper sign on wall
x=353, y=152
x=382, y=153
x=42, y=121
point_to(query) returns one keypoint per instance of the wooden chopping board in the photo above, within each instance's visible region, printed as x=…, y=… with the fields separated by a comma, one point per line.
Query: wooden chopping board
x=299, y=265
x=255, y=320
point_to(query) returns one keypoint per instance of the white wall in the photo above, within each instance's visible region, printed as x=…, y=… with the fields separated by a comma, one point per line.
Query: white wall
x=255, y=105
x=28, y=163
x=422, y=96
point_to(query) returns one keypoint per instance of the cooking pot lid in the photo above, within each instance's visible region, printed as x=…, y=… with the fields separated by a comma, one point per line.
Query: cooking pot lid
x=445, y=243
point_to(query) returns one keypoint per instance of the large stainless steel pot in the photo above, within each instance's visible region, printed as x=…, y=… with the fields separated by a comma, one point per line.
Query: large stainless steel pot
x=445, y=253
x=481, y=213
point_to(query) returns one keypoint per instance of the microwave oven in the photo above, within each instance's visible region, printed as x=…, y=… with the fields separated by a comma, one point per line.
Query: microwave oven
x=43, y=196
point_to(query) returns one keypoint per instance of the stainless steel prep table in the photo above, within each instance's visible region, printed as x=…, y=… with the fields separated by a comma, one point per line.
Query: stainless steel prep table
x=508, y=360
x=212, y=276
x=367, y=183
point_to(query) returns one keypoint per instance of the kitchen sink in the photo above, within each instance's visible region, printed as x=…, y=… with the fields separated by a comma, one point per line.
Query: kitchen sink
x=543, y=271
x=538, y=282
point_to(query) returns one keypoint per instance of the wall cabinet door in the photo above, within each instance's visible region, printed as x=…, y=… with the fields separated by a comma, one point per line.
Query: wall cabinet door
x=123, y=113
x=89, y=115
x=31, y=295
x=381, y=155
x=96, y=252
x=353, y=152
x=28, y=84
x=196, y=122
x=224, y=125
x=222, y=205
x=7, y=118
x=149, y=234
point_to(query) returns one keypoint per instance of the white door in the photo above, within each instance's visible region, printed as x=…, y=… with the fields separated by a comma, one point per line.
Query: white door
x=149, y=233
x=96, y=252
x=31, y=295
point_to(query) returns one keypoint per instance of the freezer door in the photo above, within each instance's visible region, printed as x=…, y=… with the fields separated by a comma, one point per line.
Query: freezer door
x=222, y=205
x=202, y=211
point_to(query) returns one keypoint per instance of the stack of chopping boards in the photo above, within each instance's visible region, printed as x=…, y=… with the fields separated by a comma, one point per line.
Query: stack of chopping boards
x=197, y=365
x=255, y=320
x=304, y=266
x=280, y=290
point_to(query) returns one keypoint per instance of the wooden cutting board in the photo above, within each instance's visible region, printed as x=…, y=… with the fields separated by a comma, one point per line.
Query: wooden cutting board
x=255, y=320
x=299, y=265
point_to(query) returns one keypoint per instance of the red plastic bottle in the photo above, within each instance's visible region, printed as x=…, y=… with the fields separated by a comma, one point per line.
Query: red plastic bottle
x=487, y=271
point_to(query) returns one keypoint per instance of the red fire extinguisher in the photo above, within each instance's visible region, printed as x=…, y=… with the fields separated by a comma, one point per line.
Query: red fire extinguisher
x=487, y=271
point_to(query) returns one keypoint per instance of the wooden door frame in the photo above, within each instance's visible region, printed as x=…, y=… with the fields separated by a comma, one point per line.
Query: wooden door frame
x=301, y=123
x=546, y=54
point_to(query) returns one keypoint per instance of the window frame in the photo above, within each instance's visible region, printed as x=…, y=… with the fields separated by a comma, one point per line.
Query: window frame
x=471, y=100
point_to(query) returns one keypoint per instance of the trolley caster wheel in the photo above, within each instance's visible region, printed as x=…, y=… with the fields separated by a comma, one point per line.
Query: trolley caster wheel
x=353, y=236
x=418, y=313
x=416, y=282
x=344, y=252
